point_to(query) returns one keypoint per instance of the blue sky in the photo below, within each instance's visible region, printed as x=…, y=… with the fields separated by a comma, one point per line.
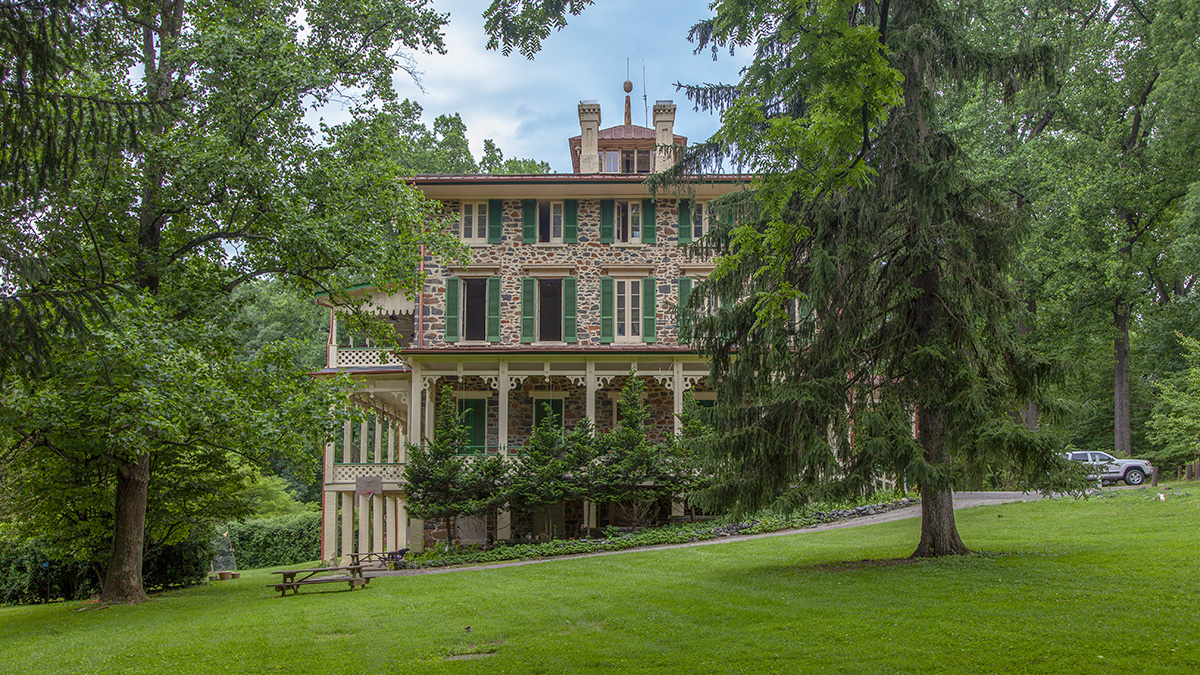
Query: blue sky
x=529, y=107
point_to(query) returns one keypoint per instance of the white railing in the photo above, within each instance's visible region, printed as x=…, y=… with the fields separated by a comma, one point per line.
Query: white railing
x=364, y=357
x=347, y=473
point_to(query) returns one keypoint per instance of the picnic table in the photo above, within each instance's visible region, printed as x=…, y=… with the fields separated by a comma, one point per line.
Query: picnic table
x=354, y=577
x=378, y=558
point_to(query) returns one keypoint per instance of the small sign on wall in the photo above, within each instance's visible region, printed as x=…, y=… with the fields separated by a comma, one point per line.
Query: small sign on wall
x=368, y=485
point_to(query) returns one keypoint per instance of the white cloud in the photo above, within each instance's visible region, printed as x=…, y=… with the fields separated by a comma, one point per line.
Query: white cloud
x=528, y=107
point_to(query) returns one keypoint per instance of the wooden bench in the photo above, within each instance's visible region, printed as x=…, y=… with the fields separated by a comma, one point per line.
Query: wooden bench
x=289, y=582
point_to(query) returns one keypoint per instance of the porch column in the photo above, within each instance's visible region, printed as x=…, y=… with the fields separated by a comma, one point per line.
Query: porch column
x=347, y=526
x=362, y=442
x=377, y=523
x=590, y=392
x=364, y=523
x=502, y=383
x=378, y=438
x=430, y=405
x=389, y=524
x=391, y=443
x=401, y=521
x=329, y=523
x=347, y=439
x=503, y=524
x=414, y=406
x=677, y=377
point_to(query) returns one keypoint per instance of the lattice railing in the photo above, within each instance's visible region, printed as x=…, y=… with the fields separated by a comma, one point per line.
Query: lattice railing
x=363, y=357
x=347, y=473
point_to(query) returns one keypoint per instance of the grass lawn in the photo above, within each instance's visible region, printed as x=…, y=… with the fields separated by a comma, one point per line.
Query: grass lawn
x=1108, y=585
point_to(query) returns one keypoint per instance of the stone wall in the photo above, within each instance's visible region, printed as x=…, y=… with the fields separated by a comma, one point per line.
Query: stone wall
x=588, y=259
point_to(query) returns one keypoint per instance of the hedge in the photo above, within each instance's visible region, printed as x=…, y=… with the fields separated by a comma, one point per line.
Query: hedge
x=29, y=575
x=280, y=540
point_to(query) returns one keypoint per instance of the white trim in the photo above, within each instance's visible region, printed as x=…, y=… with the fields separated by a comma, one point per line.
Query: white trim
x=473, y=394
x=547, y=394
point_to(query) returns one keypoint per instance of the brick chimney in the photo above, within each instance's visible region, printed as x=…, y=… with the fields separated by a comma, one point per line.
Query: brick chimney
x=666, y=154
x=589, y=131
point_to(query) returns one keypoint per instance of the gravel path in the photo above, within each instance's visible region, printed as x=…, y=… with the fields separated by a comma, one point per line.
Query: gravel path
x=962, y=500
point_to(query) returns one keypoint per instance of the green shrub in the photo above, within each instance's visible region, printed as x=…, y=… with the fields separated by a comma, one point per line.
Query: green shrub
x=657, y=536
x=280, y=540
x=28, y=575
x=181, y=564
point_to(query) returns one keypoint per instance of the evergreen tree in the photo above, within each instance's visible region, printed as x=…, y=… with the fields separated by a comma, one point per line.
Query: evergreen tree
x=443, y=481
x=863, y=289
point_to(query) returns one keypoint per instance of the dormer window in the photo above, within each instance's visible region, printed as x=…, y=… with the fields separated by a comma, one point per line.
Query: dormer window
x=625, y=161
x=643, y=161
x=611, y=161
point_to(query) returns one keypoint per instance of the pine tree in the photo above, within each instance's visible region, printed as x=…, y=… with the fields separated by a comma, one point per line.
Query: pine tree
x=863, y=290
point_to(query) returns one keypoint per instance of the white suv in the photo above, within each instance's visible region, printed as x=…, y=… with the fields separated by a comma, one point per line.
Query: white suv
x=1109, y=469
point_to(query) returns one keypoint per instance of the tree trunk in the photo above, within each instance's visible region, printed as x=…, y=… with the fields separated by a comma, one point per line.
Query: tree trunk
x=1123, y=444
x=939, y=533
x=1029, y=412
x=123, y=575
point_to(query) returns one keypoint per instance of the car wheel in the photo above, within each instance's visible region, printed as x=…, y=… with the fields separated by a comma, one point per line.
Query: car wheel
x=1135, y=477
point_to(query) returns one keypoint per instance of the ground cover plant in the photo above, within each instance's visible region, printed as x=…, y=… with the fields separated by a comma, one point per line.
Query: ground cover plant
x=615, y=539
x=1104, y=585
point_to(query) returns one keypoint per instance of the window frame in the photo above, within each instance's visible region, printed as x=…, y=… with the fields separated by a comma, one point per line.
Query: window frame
x=623, y=217
x=700, y=220
x=538, y=304
x=480, y=209
x=481, y=312
x=632, y=324
x=551, y=237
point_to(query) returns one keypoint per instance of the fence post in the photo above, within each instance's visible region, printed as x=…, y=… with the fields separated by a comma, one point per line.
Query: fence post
x=1154, y=476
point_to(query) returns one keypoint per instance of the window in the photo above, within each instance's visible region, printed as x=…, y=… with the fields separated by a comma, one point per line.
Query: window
x=547, y=222
x=473, y=309
x=628, y=311
x=543, y=407
x=611, y=161
x=473, y=222
x=699, y=220
x=550, y=222
x=473, y=414
x=643, y=161
x=548, y=310
x=629, y=222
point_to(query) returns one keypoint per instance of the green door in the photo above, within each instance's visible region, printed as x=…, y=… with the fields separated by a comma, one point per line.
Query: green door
x=473, y=413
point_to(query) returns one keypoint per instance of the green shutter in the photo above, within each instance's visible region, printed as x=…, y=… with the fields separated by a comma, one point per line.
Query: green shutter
x=452, y=305
x=607, y=297
x=570, y=321
x=649, y=222
x=683, y=322
x=649, y=311
x=493, y=309
x=685, y=290
x=495, y=220
x=606, y=221
x=571, y=221
x=685, y=223
x=528, y=309
x=528, y=221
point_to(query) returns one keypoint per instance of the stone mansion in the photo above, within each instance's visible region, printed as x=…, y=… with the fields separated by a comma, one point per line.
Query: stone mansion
x=572, y=283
